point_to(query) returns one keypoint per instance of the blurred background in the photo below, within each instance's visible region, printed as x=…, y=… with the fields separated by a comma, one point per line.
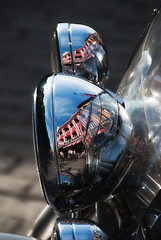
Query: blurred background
x=26, y=28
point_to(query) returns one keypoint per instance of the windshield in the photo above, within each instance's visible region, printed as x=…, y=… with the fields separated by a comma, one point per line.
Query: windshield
x=141, y=90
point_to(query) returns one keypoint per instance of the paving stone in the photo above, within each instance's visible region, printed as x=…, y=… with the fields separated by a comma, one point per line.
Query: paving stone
x=10, y=184
x=7, y=164
x=19, y=177
x=11, y=224
x=36, y=190
x=27, y=169
x=20, y=214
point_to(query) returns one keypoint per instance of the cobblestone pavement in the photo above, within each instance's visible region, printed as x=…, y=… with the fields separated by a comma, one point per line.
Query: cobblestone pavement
x=26, y=29
x=20, y=197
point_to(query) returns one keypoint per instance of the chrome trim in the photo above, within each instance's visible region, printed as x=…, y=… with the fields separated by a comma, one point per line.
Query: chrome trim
x=78, y=49
x=77, y=229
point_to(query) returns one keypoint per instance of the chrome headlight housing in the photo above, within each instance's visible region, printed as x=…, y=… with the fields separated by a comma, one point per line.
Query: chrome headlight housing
x=81, y=133
x=78, y=49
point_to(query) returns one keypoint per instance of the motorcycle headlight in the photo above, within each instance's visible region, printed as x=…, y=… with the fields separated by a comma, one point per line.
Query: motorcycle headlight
x=78, y=49
x=81, y=133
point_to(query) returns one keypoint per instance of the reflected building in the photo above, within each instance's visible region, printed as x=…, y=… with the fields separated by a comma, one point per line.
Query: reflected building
x=86, y=60
x=79, y=50
x=77, y=133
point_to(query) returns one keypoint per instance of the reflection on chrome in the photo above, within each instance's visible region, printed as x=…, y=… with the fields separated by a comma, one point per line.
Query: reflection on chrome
x=80, y=138
x=72, y=229
x=78, y=49
x=148, y=190
x=90, y=120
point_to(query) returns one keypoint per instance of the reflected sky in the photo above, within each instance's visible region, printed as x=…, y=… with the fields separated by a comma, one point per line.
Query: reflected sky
x=81, y=51
x=68, y=94
x=48, y=109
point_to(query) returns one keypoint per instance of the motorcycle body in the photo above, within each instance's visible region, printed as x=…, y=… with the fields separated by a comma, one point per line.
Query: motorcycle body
x=99, y=153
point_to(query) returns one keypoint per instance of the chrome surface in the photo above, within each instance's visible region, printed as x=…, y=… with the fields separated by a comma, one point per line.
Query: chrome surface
x=6, y=236
x=141, y=91
x=81, y=134
x=78, y=49
x=75, y=229
x=150, y=220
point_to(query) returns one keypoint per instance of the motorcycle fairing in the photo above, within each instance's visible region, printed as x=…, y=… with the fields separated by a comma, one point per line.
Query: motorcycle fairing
x=141, y=91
